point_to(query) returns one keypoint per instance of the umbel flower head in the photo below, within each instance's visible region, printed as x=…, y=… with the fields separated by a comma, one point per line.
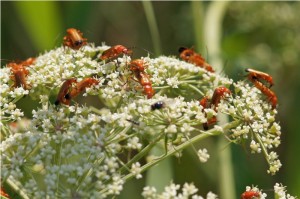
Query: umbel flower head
x=77, y=150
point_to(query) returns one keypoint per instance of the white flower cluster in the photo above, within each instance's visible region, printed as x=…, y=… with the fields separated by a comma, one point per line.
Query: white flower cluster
x=254, y=192
x=173, y=192
x=73, y=151
x=257, y=125
x=66, y=147
x=203, y=155
x=280, y=192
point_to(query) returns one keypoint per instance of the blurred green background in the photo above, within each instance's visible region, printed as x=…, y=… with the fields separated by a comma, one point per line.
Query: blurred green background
x=261, y=35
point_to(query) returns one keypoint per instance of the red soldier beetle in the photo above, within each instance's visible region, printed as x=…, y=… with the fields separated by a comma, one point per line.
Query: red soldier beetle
x=74, y=39
x=19, y=74
x=137, y=66
x=204, y=102
x=28, y=62
x=256, y=78
x=81, y=86
x=255, y=75
x=114, y=52
x=190, y=56
x=64, y=91
x=272, y=98
x=219, y=94
x=250, y=195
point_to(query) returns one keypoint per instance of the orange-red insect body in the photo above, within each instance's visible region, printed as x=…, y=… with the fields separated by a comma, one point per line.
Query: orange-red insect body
x=204, y=102
x=190, y=56
x=266, y=91
x=64, y=91
x=74, y=39
x=114, y=52
x=219, y=94
x=256, y=78
x=3, y=193
x=81, y=86
x=146, y=83
x=19, y=74
x=138, y=68
x=258, y=75
x=28, y=62
x=250, y=195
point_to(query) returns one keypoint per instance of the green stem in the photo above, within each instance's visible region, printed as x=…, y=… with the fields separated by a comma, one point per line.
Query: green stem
x=111, y=138
x=213, y=32
x=141, y=154
x=196, y=89
x=213, y=35
x=161, y=87
x=211, y=132
x=148, y=8
x=59, y=163
x=17, y=189
x=257, y=136
x=95, y=110
x=197, y=10
x=189, y=81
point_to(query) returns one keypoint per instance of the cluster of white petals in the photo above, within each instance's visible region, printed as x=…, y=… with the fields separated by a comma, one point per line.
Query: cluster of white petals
x=174, y=191
x=78, y=150
x=203, y=155
x=280, y=192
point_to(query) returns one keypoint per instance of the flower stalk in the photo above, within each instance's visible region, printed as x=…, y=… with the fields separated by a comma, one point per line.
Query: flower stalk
x=197, y=138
